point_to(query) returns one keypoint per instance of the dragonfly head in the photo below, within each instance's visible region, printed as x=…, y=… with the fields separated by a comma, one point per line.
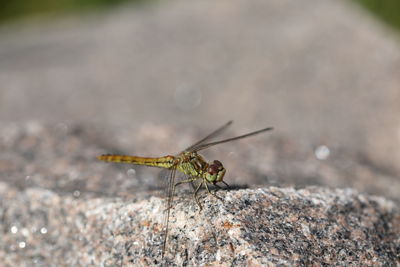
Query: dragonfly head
x=215, y=172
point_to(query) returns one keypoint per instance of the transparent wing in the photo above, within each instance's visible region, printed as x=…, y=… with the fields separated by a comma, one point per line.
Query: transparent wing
x=170, y=196
x=204, y=146
x=211, y=135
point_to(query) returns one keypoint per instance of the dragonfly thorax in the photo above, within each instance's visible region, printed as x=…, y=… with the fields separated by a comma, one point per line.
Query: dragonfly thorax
x=194, y=165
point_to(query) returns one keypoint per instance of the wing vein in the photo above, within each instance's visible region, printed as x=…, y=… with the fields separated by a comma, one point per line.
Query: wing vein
x=211, y=135
x=170, y=196
x=204, y=146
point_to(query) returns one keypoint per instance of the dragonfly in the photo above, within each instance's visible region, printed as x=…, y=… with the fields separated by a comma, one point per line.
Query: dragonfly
x=191, y=164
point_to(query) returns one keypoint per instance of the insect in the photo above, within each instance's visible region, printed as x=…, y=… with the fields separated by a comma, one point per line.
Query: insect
x=188, y=162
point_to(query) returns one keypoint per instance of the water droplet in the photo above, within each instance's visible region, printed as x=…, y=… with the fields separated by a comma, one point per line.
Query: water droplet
x=22, y=244
x=14, y=229
x=322, y=152
x=77, y=193
x=43, y=230
x=187, y=97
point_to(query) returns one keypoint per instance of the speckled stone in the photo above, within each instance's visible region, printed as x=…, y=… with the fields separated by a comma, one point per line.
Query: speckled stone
x=261, y=227
x=61, y=207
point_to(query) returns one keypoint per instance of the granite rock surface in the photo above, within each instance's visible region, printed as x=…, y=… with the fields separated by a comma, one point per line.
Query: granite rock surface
x=61, y=207
x=254, y=227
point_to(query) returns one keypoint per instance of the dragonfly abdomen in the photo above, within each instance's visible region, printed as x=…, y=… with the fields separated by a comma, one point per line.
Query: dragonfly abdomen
x=162, y=162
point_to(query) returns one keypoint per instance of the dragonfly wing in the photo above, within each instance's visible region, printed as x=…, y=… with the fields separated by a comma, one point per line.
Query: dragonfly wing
x=211, y=135
x=170, y=196
x=204, y=146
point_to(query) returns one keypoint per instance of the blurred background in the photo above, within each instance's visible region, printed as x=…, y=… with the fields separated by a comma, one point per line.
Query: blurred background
x=386, y=10
x=150, y=77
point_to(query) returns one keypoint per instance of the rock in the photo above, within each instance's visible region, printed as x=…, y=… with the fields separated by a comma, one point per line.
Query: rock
x=258, y=227
x=59, y=206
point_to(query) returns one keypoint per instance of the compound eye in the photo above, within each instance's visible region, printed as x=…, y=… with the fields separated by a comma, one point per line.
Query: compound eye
x=218, y=163
x=213, y=169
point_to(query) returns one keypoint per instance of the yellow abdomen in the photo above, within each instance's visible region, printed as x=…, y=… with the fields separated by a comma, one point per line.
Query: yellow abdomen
x=162, y=162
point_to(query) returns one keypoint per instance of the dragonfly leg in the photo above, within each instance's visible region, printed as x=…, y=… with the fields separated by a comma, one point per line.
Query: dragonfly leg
x=190, y=180
x=217, y=186
x=185, y=181
x=215, y=195
x=227, y=185
x=195, y=194
x=178, y=183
